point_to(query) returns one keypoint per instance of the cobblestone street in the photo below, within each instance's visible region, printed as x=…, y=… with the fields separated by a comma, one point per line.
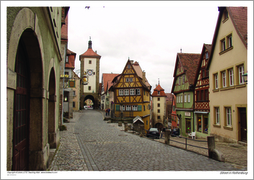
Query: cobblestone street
x=91, y=144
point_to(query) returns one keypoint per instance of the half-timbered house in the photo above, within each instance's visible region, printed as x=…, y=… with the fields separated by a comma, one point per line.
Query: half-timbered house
x=202, y=109
x=183, y=88
x=132, y=94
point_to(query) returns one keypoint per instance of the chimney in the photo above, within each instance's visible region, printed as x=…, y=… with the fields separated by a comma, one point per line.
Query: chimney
x=144, y=77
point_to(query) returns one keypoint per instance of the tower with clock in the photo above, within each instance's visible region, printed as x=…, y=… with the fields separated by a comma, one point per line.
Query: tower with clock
x=90, y=71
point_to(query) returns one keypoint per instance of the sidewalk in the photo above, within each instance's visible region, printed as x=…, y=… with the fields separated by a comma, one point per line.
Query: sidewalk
x=233, y=153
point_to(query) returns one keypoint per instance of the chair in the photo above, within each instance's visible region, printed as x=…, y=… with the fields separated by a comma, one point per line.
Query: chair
x=192, y=135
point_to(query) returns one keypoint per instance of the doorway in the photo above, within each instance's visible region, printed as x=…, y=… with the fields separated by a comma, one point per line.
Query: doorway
x=243, y=124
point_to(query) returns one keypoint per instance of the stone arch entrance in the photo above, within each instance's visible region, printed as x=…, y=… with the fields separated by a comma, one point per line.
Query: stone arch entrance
x=51, y=110
x=29, y=82
x=89, y=97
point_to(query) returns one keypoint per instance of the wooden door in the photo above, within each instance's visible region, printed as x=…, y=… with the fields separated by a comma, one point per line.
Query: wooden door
x=21, y=113
x=243, y=124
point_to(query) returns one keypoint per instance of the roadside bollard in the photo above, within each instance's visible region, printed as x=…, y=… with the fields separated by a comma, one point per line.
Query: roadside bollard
x=141, y=128
x=125, y=127
x=167, y=136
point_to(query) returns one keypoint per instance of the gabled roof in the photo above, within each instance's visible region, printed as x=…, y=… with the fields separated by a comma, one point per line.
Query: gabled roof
x=137, y=118
x=189, y=62
x=107, y=79
x=207, y=47
x=159, y=89
x=238, y=15
x=137, y=69
x=69, y=52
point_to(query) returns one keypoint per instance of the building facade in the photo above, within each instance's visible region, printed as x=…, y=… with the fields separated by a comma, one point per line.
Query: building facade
x=90, y=72
x=183, y=88
x=227, y=64
x=33, y=74
x=76, y=92
x=159, y=108
x=132, y=93
x=202, y=108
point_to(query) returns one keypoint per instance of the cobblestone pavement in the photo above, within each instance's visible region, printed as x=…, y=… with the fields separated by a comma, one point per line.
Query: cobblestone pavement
x=234, y=154
x=95, y=145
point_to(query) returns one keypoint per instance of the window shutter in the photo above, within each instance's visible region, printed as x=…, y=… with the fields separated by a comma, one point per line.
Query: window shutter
x=139, y=107
x=117, y=107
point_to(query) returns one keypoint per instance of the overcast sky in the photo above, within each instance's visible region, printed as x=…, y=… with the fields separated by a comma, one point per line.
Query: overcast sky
x=151, y=33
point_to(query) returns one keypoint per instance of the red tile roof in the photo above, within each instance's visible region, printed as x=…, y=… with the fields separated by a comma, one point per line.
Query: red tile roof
x=190, y=65
x=71, y=56
x=239, y=19
x=64, y=30
x=159, y=89
x=139, y=71
x=89, y=52
x=238, y=15
x=107, y=80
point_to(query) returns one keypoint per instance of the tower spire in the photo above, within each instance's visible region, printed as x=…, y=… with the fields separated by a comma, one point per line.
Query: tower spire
x=90, y=43
x=158, y=81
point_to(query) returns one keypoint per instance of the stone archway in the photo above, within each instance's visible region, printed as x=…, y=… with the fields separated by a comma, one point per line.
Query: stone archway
x=159, y=126
x=51, y=110
x=91, y=98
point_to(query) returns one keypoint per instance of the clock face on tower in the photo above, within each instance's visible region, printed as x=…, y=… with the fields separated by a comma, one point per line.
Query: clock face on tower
x=90, y=72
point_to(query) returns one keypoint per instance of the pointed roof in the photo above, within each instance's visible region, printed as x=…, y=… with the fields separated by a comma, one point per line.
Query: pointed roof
x=159, y=89
x=238, y=16
x=89, y=52
x=137, y=118
x=139, y=72
x=189, y=62
x=207, y=47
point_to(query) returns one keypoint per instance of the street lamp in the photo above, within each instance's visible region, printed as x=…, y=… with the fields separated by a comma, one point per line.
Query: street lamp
x=245, y=77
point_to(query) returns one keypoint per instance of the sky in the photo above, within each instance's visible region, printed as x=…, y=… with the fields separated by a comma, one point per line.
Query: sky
x=151, y=33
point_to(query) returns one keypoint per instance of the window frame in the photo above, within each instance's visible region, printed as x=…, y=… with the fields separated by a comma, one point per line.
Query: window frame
x=188, y=97
x=223, y=44
x=228, y=116
x=217, y=115
x=216, y=85
x=137, y=91
x=231, y=77
x=229, y=41
x=126, y=92
x=240, y=74
x=120, y=91
x=132, y=92
x=223, y=79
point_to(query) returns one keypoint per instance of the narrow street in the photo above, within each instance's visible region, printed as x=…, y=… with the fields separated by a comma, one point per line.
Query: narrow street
x=91, y=144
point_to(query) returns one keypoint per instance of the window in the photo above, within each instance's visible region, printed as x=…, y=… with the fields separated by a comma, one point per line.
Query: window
x=223, y=75
x=67, y=59
x=131, y=79
x=188, y=125
x=217, y=115
x=90, y=62
x=205, y=124
x=174, y=108
x=89, y=88
x=216, y=81
x=129, y=66
x=159, y=92
x=158, y=99
x=185, y=98
x=231, y=77
x=183, y=79
x=198, y=95
x=241, y=72
x=139, y=108
x=126, y=79
x=206, y=55
x=228, y=116
x=73, y=104
x=158, y=110
x=206, y=95
x=179, y=80
x=128, y=107
x=74, y=93
x=137, y=91
x=223, y=45
x=181, y=98
x=144, y=107
x=135, y=107
x=225, y=15
x=158, y=117
x=229, y=41
x=122, y=108
x=132, y=92
x=158, y=105
x=188, y=97
x=126, y=92
x=120, y=92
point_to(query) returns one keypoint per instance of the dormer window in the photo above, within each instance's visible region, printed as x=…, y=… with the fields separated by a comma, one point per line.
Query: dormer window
x=225, y=15
x=206, y=55
x=158, y=92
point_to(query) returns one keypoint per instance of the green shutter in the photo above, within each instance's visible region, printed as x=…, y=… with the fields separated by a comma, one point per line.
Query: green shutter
x=139, y=107
x=117, y=107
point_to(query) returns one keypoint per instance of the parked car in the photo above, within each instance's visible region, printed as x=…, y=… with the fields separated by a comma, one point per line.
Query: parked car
x=153, y=132
x=175, y=132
